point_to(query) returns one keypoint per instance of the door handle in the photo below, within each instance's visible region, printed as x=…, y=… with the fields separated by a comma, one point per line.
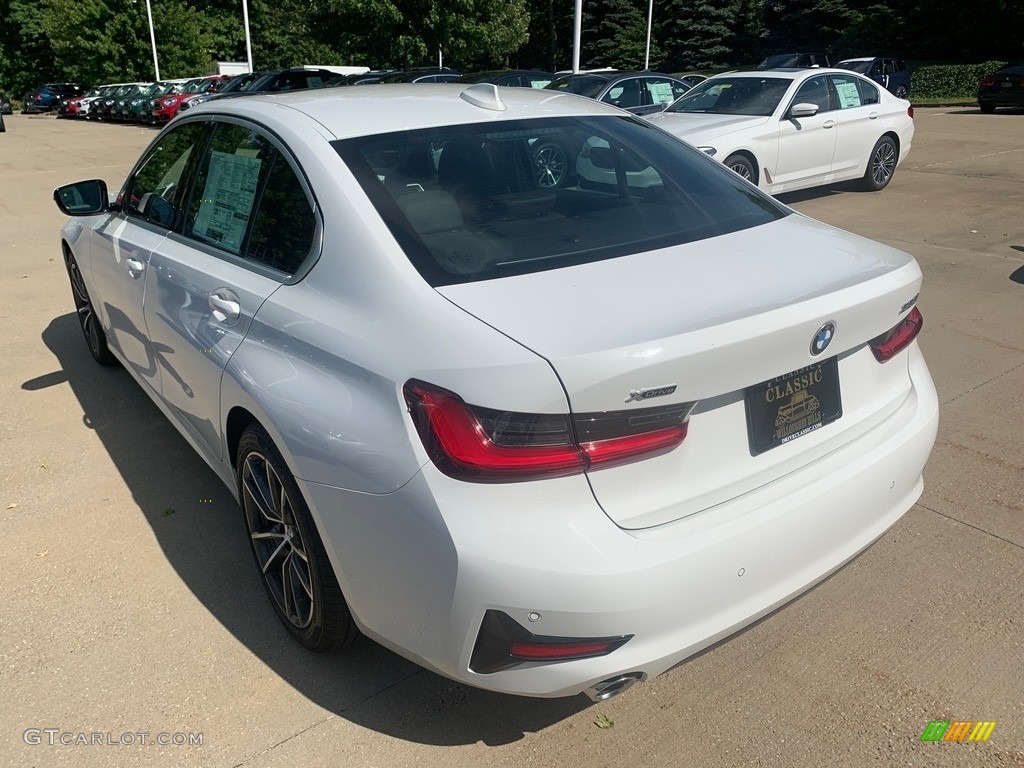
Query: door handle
x=135, y=268
x=828, y=124
x=873, y=116
x=225, y=306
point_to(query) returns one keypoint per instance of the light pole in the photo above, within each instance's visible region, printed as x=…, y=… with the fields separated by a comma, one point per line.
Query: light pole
x=576, y=30
x=152, y=38
x=650, y=16
x=248, y=40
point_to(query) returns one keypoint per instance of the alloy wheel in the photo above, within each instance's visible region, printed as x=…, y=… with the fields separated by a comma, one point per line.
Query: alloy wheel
x=83, y=307
x=549, y=165
x=277, y=540
x=883, y=163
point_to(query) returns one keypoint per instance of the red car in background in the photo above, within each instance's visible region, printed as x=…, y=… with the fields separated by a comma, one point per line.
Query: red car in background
x=166, y=107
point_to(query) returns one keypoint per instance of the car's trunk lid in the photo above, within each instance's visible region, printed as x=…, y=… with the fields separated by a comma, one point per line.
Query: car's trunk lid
x=712, y=318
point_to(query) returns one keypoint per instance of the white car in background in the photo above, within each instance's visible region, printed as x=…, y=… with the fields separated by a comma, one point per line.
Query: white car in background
x=540, y=439
x=789, y=129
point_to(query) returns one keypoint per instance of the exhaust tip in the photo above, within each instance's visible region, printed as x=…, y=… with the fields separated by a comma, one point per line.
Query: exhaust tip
x=613, y=686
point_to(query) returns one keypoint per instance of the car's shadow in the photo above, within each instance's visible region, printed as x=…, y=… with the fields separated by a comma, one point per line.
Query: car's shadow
x=816, y=193
x=198, y=525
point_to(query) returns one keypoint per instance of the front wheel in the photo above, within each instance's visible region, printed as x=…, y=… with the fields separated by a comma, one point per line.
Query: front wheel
x=95, y=338
x=741, y=166
x=901, y=92
x=881, y=165
x=289, y=553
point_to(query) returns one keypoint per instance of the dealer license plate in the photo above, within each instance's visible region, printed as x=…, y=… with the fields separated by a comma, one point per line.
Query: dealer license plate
x=787, y=407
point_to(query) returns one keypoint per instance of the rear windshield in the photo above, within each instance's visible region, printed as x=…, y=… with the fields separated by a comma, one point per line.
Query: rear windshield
x=476, y=202
x=585, y=85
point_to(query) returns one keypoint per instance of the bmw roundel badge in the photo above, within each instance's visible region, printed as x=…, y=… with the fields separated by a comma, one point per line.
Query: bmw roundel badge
x=822, y=338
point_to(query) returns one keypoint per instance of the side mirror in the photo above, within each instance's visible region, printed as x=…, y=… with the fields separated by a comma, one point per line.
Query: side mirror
x=803, y=110
x=83, y=198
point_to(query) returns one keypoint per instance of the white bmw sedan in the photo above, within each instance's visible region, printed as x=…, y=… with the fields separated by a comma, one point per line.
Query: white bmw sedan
x=789, y=129
x=541, y=439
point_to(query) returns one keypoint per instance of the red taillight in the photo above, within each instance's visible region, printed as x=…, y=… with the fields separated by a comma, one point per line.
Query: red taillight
x=987, y=82
x=899, y=337
x=910, y=112
x=557, y=651
x=503, y=643
x=486, y=445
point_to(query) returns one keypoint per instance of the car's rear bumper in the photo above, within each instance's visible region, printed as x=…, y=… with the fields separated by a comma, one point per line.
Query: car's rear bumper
x=420, y=566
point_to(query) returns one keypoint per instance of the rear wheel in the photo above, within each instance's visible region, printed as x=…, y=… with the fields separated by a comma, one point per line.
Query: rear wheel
x=90, y=324
x=741, y=166
x=881, y=165
x=987, y=107
x=289, y=553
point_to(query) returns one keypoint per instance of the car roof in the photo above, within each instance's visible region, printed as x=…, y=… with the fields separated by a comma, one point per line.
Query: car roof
x=864, y=58
x=386, y=108
x=790, y=73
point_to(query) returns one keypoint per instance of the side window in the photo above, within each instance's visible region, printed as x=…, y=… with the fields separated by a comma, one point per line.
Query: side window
x=157, y=191
x=229, y=177
x=662, y=90
x=283, y=230
x=868, y=92
x=847, y=91
x=537, y=81
x=625, y=94
x=814, y=91
x=241, y=170
x=877, y=69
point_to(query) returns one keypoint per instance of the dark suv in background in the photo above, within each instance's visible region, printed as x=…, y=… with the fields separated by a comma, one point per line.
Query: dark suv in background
x=799, y=60
x=48, y=96
x=892, y=74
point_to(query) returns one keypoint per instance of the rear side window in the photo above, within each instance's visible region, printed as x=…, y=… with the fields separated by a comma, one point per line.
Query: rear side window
x=476, y=202
x=284, y=227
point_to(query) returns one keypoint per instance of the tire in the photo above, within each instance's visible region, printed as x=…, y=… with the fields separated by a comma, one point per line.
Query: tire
x=987, y=107
x=742, y=166
x=902, y=92
x=289, y=553
x=551, y=165
x=95, y=338
x=881, y=165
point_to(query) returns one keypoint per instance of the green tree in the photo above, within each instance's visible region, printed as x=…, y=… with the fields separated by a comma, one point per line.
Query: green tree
x=698, y=33
x=410, y=32
x=26, y=55
x=806, y=25
x=615, y=35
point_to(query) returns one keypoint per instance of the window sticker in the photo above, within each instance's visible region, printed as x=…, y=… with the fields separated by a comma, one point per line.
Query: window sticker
x=227, y=199
x=849, y=96
x=661, y=93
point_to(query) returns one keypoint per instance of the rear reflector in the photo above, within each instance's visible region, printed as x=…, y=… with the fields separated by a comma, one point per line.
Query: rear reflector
x=892, y=341
x=503, y=642
x=485, y=445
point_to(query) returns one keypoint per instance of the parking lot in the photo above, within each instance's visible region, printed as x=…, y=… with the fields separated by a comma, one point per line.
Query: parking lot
x=132, y=609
